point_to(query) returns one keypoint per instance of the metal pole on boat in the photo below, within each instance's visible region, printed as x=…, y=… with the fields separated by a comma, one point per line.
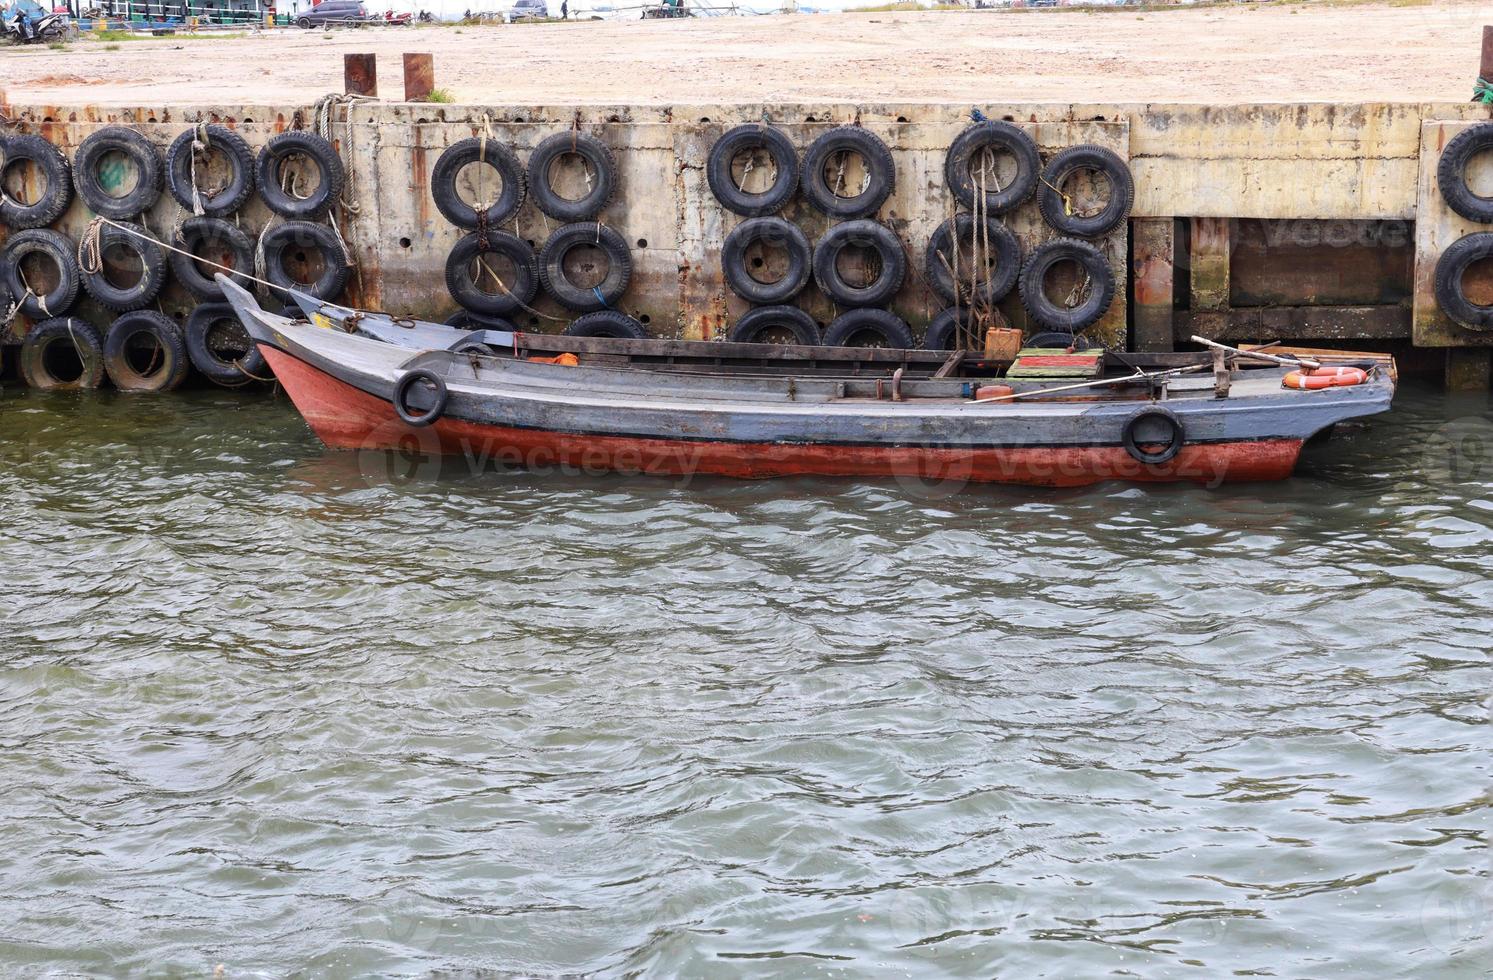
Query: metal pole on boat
x=1137, y=376
x=1305, y=362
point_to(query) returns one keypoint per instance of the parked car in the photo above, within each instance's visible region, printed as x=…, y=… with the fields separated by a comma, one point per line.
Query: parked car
x=524, y=9
x=333, y=12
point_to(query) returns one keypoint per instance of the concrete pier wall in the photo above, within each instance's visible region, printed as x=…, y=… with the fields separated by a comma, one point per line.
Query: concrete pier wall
x=1344, y=189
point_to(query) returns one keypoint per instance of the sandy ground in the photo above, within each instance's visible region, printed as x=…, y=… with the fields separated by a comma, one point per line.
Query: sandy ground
x=1252, y=52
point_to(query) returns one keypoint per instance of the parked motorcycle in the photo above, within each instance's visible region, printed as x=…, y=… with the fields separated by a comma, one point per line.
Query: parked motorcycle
x=51, y=27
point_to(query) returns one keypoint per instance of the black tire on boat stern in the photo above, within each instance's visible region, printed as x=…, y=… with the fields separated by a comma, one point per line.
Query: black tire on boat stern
x=1451, y=295
x=1451, y=173
x=1132, y=438
x=139, y=242
x=322, y=155
x=880, y=173
x=510, y=298
x=181, y=158
x=509, y=184
x=406, y=385
x=864, y=234
x=966, y=153
x=585, y=299
x=771, y=232
x=196, y=234
x=89, y=182
x=600, y=166
x=159, y=364
x=62, y=337
x=891, y=329
x=1098, y=160
x=749, y=139
x=607, y=323
x=220, y=348
x=55, y=247
x=294, y=239
x=1043, y=310
x=56, y=172
x=760, y=325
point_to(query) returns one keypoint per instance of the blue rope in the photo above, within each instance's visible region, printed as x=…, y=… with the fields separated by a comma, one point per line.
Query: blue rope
x=600, y=298
x=977, y=115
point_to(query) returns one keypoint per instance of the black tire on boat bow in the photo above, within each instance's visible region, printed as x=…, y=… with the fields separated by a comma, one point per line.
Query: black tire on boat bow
x=1132, y=439
x=406, y=385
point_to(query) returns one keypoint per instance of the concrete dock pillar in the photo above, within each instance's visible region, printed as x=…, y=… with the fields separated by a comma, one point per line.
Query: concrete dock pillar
x=419, y=76
x=1467, y=369
x=1208, y=258
x=360, y=75
x=1153, y=245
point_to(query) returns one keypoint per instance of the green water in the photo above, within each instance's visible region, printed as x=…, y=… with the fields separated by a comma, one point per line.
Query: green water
x=315, y=714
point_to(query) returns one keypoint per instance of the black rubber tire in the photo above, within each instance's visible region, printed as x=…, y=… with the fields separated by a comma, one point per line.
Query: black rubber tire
x=868, y=233
x=306, y=235
x=942, y=329
x=757, y=323
x=463, y=288
x=242, y=179
x=1001, y=136
x=321, y=153
x=304, y=23
x=1007, y=261
x=195, y=232
x=170, y=364
x=81, y=335
x=467, y=320
x=1451, y=173
x=469, y=151
x=597, y=156
x=1047, y=314
x=1448, y=285
x=401, y=394
x=888, y=326
x=63, y=253
x=1086, y=157
x=606, y=323
x=881, y=169
x=152, y=269
x=770, y=231
x=566, y=293
x=201, y=326
x=55, y=170
x=1174, y=444
x=1056, y=338
x=139, y=150
x=752, y=136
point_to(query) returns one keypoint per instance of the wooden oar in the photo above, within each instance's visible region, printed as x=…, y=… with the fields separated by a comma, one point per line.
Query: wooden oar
x=1305, y=362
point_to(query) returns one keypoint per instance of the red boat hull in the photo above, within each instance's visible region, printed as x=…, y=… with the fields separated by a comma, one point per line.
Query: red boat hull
x=345, y=417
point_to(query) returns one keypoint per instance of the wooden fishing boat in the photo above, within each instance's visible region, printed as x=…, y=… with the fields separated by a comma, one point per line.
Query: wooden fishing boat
x=370, y=381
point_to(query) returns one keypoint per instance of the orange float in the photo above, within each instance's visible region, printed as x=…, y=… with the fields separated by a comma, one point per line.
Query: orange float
x=1333, y=376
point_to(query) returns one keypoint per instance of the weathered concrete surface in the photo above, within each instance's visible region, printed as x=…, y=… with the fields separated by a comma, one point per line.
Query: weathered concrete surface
x=1438, y=226
x=1354, y=163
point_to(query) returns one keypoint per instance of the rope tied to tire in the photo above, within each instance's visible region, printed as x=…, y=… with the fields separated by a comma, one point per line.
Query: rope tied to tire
x=201, y=143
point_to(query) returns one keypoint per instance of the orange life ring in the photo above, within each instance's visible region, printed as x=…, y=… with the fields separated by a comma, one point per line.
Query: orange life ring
x=1335, y=376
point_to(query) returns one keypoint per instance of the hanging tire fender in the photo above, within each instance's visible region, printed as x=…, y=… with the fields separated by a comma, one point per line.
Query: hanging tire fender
x=82, y=336
x=511, y=184
x=169, y=364
x=322, y=155
x=720, y=173
x=881, y=173
x=939, y=264
x=1450, y=267
x=606, y=323
x=52, y=164
x=140, y=242
x=242, y=177
x=1098, y=159
x=89, y=181
x=600, y=163
x=1132, y=438
x=759, y=322
x=199, y=332
x=1047, y=314
x=195, y=236
x=1451, y=173
x=965, y=156
x=462, y=284
x=406, y=385
x=585, y=299
x=889, y=327
x=302, y=235
x=772, y=232
x=864, y=233
x=62, y=252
